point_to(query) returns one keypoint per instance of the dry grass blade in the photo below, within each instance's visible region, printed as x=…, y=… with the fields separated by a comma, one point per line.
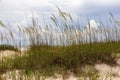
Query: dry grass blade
x=61, y=13
x=59, y=9
x=53, y=18
x=70, y=17
x=11, y=34
x=33, y=22
x=19, y=28
x=2, y=24
x=47, y=28
x=111, y=14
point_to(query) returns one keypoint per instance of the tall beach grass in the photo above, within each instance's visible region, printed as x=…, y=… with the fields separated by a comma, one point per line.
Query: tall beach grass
x=63, y=46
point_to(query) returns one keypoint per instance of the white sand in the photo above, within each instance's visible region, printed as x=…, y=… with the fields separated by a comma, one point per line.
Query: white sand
x=7, y=53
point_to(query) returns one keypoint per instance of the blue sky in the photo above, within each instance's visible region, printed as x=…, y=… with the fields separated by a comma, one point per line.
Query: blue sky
x=14, y=11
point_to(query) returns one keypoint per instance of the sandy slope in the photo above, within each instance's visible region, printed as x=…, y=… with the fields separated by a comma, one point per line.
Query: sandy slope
x=7, y=53
x=106, y=72
x=11, y=54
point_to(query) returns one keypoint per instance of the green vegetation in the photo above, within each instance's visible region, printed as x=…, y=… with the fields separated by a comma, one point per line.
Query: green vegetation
x=8, y=47
x=49, y=60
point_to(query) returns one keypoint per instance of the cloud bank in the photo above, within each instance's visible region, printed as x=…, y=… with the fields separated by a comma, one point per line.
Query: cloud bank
x=43, y=5
x=18, y=8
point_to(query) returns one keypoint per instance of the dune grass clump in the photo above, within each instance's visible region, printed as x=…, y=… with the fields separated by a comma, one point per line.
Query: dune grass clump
x=8, y=47
x=49, y=60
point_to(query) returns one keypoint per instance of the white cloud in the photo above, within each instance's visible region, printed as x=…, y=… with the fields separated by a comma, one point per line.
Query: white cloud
x=71, y=5
x=17, y=8
x=104, y=2
x=67, y=3
x=93, y=24
x=88, y=6
x=30, y=3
